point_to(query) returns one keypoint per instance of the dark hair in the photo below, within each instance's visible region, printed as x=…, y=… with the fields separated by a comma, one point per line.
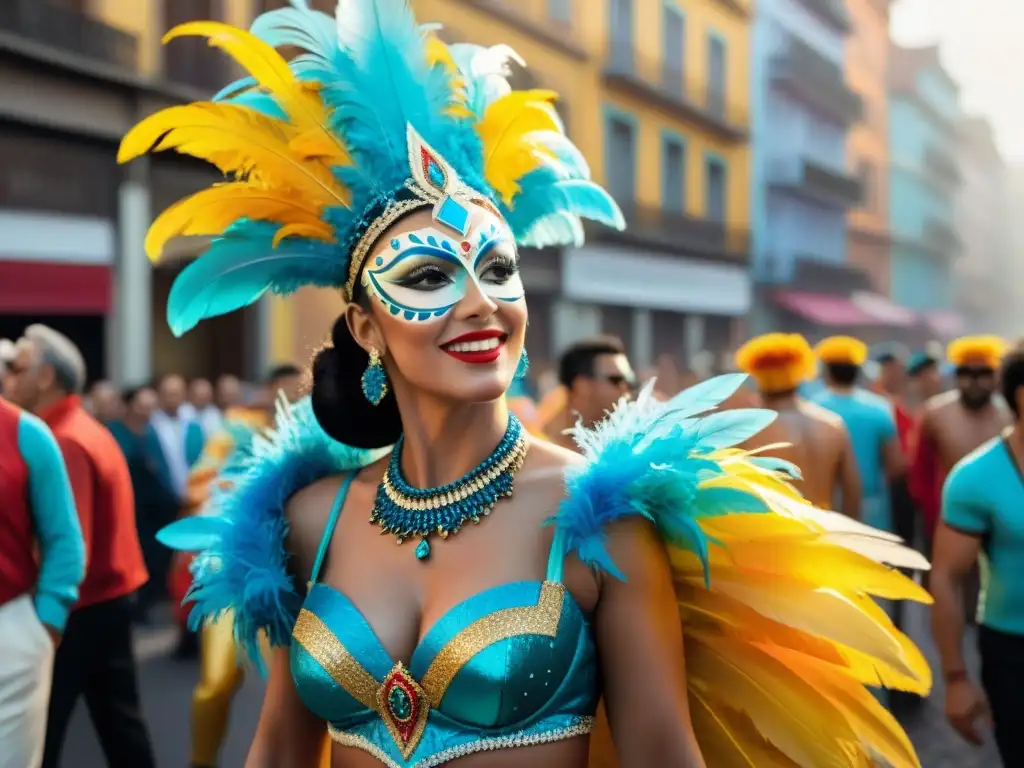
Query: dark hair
x=578, y=359
x=130, y=393
x=843, y=374
x=282, y=372
x=921, y=363
x=890, y=353
x=1012, y=377
x=337, y=396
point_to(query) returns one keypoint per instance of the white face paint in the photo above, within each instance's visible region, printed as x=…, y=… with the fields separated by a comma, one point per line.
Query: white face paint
x=422, y=274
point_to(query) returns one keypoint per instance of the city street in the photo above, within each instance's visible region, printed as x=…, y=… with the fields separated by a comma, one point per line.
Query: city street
x=166, y=686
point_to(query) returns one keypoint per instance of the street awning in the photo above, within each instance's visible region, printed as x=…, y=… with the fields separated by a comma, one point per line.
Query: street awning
x=36, y=287
x=884, y=310
x=825, y=308
x=945, y=323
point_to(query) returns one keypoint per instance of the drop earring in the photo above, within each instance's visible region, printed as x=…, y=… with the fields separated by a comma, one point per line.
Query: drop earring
x=523, y=366
x=375, y=380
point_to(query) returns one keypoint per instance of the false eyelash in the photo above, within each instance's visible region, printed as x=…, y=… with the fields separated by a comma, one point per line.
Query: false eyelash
x=415, y=276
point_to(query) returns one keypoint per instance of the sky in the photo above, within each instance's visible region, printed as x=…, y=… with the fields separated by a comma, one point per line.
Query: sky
x=982, y=46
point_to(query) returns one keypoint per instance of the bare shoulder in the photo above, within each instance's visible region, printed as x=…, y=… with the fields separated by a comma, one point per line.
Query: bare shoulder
x=822, y=415
x=941, y=403
x=543, y=472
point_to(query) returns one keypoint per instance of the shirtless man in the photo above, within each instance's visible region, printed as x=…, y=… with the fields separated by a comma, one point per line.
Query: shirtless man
x=954, y=423
x=818, y=440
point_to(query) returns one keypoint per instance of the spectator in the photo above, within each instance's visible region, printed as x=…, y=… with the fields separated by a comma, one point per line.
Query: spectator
x=104, y=402
x=229, y=392
x=201, y=408
x=95, y=658
x=181, y=439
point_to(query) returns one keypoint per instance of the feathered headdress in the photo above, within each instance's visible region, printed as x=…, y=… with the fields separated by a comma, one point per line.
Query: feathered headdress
x=842, y=349
x=779, y=362
x=376, y=118
x=986, y=351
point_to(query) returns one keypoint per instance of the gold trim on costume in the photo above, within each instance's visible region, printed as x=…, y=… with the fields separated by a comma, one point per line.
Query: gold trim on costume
x=539, y=619
x=323, y=645
x=582, y=726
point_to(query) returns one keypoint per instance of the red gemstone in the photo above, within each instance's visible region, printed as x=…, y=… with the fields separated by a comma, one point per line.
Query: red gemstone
x=465, y=246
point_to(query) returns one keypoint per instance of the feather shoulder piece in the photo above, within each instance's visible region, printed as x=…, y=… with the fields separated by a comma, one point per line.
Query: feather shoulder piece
x=777, y=598
x=241, y=564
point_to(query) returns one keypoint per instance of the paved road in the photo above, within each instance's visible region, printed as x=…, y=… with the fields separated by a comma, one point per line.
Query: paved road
x=166, y=686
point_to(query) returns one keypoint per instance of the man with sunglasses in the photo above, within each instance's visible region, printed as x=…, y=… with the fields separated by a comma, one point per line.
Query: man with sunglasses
x=954, y=423
x=983, y=516
x=595, y=373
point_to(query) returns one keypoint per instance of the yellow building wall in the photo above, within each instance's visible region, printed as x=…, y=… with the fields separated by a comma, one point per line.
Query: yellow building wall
x=702, y=19
x=866, y=74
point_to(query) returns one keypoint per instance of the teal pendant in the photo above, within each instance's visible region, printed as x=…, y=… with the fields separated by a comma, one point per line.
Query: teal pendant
x=423, y=550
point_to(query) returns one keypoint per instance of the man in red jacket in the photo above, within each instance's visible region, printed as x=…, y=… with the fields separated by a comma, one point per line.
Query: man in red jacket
x=95, y=658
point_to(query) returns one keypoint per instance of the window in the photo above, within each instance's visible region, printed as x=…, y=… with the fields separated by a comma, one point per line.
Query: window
x=715, y=201
x=621, y=42
x=673, y=50
x=673, y=175
x=620, y=160
x=560, y=11
x=716, y=75
x=866, y=174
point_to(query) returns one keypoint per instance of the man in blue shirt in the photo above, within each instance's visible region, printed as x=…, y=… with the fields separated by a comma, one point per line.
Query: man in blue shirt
x=870, y=422
x=983, y=516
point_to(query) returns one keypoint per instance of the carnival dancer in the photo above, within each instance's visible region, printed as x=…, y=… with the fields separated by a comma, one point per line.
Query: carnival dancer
x=813, y=438
x=982, y=501
x=405, y=173
x=42, y=562
x=868, y=419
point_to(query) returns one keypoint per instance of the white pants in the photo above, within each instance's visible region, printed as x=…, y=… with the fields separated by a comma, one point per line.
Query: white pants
x=26, y=670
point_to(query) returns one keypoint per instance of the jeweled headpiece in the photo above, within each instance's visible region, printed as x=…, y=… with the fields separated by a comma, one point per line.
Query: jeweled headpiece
x=375, y=119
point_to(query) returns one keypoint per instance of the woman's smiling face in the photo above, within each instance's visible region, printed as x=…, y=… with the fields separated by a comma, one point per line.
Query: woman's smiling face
x=448, y=311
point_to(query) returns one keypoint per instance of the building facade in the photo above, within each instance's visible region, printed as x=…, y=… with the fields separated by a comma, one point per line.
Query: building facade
x=74, y=77
x=983, y=294
x=924, y=183
x=803, y=112
x=867, y=54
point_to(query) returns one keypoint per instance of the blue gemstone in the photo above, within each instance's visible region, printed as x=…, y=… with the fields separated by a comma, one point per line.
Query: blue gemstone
x=435, y=174
x=453, y=215
x=395, y=244
x=380, y=261
x=423, y=550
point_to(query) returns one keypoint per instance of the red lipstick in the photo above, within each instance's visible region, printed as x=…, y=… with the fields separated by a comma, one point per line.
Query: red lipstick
x=476, y=347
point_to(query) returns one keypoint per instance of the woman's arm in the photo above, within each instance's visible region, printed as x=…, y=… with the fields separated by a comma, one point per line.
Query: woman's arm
x=288, y=734
x=640, y=643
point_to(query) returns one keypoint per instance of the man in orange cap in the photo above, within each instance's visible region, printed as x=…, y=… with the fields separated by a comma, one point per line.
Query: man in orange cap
x=818, y=441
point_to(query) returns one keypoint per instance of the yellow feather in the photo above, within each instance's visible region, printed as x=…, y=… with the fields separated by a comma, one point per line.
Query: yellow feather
x=311, y=230
x=213, y=210
x=504, y=129
x=877, y=729
x=785, y=709
x=236, y=140
x=302, y=104
x=718, y=734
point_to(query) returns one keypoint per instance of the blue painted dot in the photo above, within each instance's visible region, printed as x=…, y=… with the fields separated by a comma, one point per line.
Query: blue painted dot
x=380, y=260
x=431, y=240
x=409, y=314
x=394, y=310
x=447, y=246
x=423, y=316
x=416, y=239
x=395, y=244
x=531, y=675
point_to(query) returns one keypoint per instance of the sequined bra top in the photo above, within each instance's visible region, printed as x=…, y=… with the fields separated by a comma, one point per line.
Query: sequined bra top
x=514, y=665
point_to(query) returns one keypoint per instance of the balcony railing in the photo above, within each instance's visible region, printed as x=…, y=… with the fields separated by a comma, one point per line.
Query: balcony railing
x=832, y=12
x=809, y=76
x=942, y=166
x=684, y=233
x=69, y=30
x=562, y=36
x=810, y=179
x=645, y=77
x=941, y=237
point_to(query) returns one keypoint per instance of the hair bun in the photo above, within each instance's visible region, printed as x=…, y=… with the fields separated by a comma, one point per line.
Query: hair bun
x=339, y=404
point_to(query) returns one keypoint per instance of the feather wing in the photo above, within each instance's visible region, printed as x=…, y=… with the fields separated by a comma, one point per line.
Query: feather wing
x=769, y=588
x=242, y=563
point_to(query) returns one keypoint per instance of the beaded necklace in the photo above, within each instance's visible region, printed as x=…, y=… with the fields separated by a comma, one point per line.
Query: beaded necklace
x=404, y=511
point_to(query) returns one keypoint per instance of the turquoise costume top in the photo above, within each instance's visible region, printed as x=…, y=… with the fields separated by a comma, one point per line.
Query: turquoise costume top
x=513, y=665
x=984, y=496
x=871, y=424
